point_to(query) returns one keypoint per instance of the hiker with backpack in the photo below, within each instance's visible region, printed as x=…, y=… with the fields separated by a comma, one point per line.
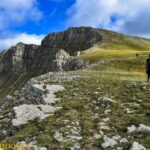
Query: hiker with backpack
x=148, y=68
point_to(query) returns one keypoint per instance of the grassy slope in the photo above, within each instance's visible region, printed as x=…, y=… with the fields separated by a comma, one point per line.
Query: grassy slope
x=128, y=90
x=127, y=87
x=116, y=45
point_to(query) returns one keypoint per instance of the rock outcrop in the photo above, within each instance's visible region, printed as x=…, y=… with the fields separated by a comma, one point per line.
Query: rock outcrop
x=23, y=57
x=34, y=102
x=141, y=128
x=18, y=59
x=72, y=40
x=64, y=61
x=25, y=113
x=137, y=146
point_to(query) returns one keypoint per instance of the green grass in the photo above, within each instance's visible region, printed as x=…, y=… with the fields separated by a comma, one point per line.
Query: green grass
x=114, y=40
x=95, y=54
x=115, y=45
x=128, y=65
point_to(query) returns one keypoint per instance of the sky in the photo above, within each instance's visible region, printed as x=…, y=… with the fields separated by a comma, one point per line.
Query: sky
x=29, y=21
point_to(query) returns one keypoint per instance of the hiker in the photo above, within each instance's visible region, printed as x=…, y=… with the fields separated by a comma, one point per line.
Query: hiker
x=148, y=68
x=137, y=55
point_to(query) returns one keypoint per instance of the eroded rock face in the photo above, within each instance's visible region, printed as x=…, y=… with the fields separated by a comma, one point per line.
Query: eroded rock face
x=18, y=58
x=38, y=60
x=63, y=61
x=72, y=40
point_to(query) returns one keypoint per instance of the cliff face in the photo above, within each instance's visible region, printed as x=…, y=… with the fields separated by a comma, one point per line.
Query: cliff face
x=37, y=60
x=15, y=63
x=23, y=57
x=18, y=59
x=72, y=40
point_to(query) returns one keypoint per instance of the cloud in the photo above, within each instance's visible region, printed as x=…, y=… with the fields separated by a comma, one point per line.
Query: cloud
x=15, y=12
x=127, y=16
x=22, y=37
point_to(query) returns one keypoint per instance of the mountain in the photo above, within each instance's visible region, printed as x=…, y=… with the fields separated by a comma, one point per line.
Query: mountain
x=83, y=88
x=23, y=61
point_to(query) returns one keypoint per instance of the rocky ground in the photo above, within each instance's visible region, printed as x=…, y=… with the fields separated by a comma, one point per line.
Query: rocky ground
x=53, y=112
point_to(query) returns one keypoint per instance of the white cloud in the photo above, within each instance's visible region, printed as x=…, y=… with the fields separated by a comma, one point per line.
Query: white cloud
x=126, y=15
x=14, y=12
x=23, y=37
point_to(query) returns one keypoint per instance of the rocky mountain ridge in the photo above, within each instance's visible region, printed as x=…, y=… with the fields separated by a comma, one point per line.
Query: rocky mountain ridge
x=35, y=60
x=21, y=57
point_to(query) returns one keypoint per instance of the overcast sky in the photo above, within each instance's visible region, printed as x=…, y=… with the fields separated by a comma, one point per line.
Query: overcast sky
x=29, y=21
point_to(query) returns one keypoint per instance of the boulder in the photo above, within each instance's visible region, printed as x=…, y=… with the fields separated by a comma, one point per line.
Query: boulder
x=109, y=142
x=143, y=128
x=25, y=113
x=137, y=146
x=131, y=129
x=123, y=140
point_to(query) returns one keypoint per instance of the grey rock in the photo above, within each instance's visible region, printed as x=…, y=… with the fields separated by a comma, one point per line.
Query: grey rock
x=42, y=148
x=74, y=137
x=128, y=111
x=109, y=142
x=33, y=60
x=117, y=137
x=119, y=148
x=123, y=140
x=106, y=100
x=66, y=62
x=59, y=137
x=131, y=129
x=18, y=58
x=25, y=113
x=143, y=128
x=137, y=146
x=72, y=40
x=60, y=60
x=44, y=94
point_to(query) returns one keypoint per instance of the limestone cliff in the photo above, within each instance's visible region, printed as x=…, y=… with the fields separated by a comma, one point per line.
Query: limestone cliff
x=72, y=40
x=18, y=58
x=24, y=59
